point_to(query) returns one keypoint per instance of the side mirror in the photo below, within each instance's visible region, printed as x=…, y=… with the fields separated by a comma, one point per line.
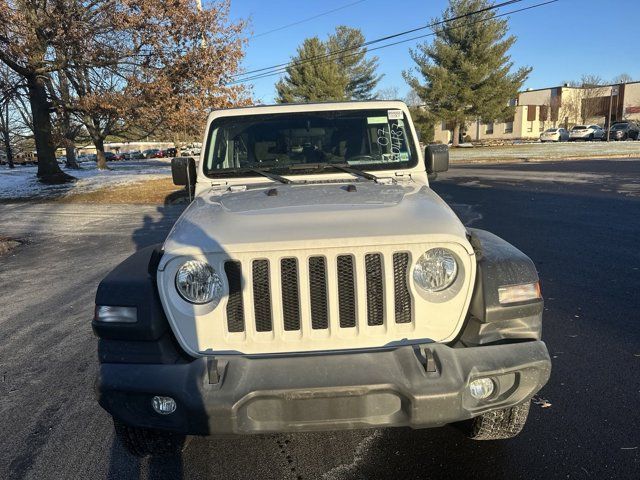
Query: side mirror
x=183, y=171
x=437, y=158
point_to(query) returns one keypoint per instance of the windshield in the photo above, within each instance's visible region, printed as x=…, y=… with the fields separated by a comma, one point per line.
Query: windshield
x=551, y=130
x=579, y=127
x=619, y=126
x=365, y=139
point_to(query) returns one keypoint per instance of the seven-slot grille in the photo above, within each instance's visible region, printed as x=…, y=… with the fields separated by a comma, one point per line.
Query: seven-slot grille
x=344, y=274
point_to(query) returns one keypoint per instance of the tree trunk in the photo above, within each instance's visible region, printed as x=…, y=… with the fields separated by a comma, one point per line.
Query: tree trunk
x=101, y=159
x=6, y=136
x=7, y=148
x=456, y=135
x=48, y=169
x=68, y=131
x=71, y=162
x=69, y=144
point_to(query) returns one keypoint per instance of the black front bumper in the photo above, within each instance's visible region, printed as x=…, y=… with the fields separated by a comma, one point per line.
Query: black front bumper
x=323, y=392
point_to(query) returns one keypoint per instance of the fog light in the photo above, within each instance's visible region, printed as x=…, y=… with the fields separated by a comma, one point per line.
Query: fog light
x=481, y=388
x=164, y=405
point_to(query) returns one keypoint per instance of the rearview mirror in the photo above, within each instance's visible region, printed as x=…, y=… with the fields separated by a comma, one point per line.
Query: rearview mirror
x=437, y=158
x=183, y=171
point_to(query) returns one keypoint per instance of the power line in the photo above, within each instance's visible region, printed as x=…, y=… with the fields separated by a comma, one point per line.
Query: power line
x=283, y=70
x=377, y=40
x=307, y=19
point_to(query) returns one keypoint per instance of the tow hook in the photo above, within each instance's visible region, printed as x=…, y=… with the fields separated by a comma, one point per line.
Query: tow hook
x=427, y=359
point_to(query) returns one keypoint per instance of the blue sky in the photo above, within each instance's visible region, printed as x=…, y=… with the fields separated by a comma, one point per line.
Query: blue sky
x=560, y=41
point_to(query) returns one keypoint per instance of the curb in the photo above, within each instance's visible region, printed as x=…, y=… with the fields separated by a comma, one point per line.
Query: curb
x=543, y=159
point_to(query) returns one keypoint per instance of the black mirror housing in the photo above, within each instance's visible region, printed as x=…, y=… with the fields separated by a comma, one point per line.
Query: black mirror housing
x=437, y=158
x=183, y=171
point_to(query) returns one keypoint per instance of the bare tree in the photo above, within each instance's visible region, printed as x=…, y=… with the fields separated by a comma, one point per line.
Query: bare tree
x=28, y=30
x=623, y=78
x=8, y=91
x=388, y=93
x=159, y=75
x=118, y=66
x=584, y=100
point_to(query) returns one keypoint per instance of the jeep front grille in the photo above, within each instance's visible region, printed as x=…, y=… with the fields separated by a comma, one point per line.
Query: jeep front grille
x=375, y=289
x=262, y=295
x=401, y=288
x=346, y=291
x=318, y=293
x=290, y=294
x=306, y=286
x=235, y=309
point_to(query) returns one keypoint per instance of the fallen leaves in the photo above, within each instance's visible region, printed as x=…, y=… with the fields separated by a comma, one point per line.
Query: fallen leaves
x=542, y=402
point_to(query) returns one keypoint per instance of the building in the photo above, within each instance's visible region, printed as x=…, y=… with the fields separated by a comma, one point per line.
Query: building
x=122, y=147
x=565, y=106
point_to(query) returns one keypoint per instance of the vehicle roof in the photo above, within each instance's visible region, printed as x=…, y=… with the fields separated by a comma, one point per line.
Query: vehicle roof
x=311, y=107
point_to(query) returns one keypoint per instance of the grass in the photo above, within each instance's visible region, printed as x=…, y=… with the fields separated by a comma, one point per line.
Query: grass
x=546, y=151
x=7, y=244
x=159, y=191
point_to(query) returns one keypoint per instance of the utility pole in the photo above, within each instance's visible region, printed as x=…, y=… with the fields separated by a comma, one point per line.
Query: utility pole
x=614, y=91
x=203, y=42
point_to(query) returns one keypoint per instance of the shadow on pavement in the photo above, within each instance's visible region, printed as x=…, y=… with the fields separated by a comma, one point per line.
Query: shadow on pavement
x=155, y=230
x=123, y=465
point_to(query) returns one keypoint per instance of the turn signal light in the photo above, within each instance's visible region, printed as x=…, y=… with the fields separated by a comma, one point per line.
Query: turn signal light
x=519, y=293
x=109, y=314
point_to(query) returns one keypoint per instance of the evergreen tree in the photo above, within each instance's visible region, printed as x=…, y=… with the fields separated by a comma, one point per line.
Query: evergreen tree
x=312, y=81
x=467, y=71
x=353, y=64
x=323, y=71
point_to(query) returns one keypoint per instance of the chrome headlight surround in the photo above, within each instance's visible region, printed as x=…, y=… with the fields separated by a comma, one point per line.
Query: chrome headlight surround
x=198, y=283
x=436, y=270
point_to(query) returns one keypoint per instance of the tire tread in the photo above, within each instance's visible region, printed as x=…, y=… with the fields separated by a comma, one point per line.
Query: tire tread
x=143, y=442
x=500, y=424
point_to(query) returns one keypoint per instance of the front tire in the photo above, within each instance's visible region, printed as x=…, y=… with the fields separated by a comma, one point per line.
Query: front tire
x=143, y=442
x=497, y=424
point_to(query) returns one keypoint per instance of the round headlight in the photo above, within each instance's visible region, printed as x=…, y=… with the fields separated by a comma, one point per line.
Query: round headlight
x=197, y=282
x=435, y=270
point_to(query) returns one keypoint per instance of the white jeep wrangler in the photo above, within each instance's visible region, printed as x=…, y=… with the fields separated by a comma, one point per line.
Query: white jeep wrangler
x=316, y=282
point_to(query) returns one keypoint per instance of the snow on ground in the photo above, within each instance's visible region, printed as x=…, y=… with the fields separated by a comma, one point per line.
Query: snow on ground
x=21, y=182
x=547, y=151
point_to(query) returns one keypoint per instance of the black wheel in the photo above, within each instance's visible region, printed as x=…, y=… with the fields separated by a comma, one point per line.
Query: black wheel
x=591, y=137
x=498, y=424
x=143, y=442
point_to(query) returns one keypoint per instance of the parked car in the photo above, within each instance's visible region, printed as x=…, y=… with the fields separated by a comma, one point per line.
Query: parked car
x=587, y=132
x=153, y=153
x=326, y=287
x=88, y=157
x=109, y=156
x=555, y=135
x=134, y=155
x=624, y=131
x=170, y=152
x=118, y=156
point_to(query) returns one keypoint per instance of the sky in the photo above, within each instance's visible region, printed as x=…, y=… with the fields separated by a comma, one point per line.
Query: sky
x=561, y=41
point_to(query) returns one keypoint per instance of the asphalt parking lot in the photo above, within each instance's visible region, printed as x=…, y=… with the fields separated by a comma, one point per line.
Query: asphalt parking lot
x=578, y=221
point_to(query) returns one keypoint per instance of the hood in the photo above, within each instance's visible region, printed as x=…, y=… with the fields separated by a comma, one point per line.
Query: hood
x=291, y=216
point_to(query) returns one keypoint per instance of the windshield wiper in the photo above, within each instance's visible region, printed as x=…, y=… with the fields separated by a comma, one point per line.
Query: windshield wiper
x=271, y=176
x=337, y=166
x=353, y=171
